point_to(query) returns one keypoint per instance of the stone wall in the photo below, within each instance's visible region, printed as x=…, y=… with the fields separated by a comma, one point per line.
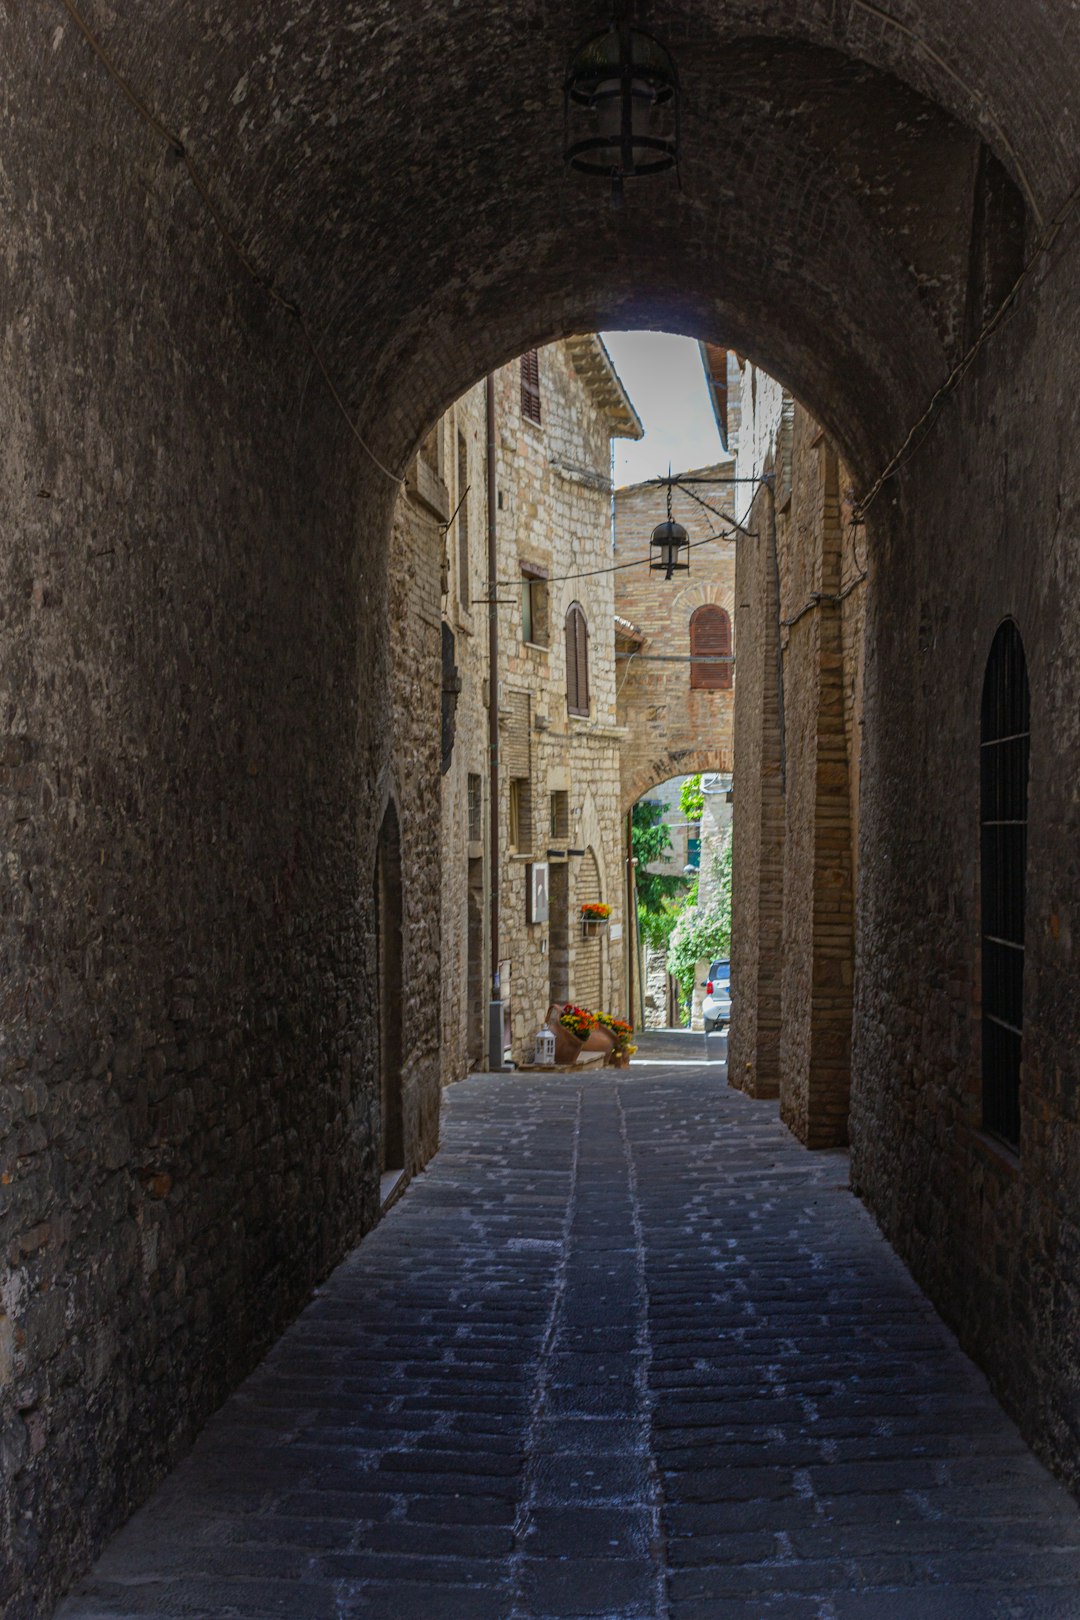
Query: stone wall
x=801, y=876
x=758, y=826
x=553, y=497
x=994, y=1235
x=196, y=732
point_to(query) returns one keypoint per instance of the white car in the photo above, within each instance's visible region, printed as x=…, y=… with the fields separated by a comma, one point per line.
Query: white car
x=716, y=1008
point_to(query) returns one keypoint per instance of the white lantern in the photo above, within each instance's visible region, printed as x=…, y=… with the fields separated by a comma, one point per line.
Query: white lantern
x=544, y=1054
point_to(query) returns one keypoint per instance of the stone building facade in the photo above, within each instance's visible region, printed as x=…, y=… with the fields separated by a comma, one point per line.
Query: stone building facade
x=555, y=412
x=679, y=717
x=801, y=589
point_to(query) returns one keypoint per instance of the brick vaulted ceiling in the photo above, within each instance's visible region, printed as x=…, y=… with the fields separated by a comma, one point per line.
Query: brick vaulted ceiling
x=396, y=169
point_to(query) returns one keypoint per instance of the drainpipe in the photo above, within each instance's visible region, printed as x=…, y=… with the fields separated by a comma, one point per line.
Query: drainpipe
x=631, y=916
x=495, y=1006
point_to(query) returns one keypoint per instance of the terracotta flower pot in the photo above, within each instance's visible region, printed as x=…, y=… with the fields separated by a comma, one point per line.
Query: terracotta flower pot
x=567, y=1044
x=598, y=1040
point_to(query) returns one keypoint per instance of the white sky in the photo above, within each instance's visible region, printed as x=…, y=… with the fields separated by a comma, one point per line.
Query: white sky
x=664, y=378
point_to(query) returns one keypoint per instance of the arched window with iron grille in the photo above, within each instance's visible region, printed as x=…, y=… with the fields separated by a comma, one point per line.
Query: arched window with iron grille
x=710, y=649
x=577, y=660
x=1006, y=722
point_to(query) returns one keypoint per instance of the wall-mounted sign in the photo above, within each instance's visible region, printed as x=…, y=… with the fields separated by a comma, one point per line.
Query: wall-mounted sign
x=615, y=931
x=536, y=892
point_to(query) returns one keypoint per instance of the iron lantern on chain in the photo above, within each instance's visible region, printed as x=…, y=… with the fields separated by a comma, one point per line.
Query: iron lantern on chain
x=668, y=544
x=621, y=106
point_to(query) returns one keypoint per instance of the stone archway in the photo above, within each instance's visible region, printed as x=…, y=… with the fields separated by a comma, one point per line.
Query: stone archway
x=196, y=576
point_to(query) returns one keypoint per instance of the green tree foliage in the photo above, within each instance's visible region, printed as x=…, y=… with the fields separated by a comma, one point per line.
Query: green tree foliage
x=651, y=841
x=703, y=932
x=692, y=799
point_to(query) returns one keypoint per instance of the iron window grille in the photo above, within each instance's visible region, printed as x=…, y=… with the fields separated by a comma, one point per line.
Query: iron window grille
x=1006, y=726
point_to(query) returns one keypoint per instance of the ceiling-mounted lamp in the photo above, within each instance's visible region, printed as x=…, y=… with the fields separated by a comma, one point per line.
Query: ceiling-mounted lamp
x=669, y=541
x=621, y=106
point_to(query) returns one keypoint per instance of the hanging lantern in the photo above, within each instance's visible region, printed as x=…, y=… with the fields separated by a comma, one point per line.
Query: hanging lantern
x=669, y=541
x=622, y=106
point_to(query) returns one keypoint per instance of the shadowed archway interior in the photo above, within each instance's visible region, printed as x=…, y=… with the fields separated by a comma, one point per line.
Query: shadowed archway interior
x=198, y=710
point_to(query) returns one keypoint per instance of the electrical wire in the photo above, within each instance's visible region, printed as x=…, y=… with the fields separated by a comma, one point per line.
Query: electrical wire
x=593, y=573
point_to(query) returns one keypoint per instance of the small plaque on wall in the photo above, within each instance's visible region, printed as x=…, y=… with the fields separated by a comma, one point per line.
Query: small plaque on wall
x=536, y=892
x=615, y=931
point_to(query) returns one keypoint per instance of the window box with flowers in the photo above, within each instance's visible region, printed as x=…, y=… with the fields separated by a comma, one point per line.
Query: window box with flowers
x=594, y=918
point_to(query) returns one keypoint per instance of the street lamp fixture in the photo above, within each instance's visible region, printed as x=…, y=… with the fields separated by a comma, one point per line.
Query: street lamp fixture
x=669, y=541
x=621, y=106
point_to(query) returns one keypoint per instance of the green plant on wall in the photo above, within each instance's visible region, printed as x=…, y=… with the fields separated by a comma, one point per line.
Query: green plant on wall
x=692, y=799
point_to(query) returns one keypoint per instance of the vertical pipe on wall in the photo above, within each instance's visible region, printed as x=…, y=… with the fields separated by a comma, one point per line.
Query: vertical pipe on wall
x=495, y=1007
x=631, y=917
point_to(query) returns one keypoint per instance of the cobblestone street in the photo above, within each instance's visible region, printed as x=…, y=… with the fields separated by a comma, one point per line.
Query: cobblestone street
x=626, y=1349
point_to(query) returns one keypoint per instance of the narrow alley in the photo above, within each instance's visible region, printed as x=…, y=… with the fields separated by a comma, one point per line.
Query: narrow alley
x=624, y=1349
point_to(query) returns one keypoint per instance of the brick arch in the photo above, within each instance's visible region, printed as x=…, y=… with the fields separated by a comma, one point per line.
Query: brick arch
x=677, y=762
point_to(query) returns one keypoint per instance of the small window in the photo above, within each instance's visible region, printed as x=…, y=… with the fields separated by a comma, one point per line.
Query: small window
x=710, y=649
x=476, y=809
x=1006, y=722
x=577, y=661
x=530, y=386
x=464, y=585
x=533, y=607
x=520, y=829
x=559, y=816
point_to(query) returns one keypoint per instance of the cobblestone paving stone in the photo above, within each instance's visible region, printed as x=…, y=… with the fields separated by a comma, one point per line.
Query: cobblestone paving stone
x=625, y=1350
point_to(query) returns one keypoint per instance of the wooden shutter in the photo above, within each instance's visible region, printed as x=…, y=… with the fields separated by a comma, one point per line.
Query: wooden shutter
x=710, y=637
x=530, y=385
x=577, y=661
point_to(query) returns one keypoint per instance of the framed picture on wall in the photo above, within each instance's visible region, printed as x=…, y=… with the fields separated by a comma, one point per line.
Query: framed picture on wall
x=536, y=892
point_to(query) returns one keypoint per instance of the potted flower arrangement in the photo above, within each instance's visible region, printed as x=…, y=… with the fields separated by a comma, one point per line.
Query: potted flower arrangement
x=620, y=1032
x=578, y=1020
x=572, y=1027
x=576, y=1032
x=594, y=916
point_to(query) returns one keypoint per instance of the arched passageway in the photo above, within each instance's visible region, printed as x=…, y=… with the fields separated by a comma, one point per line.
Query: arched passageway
x=195, y=651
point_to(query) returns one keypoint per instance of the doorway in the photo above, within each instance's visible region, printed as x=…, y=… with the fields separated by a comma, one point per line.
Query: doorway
x=388, y=912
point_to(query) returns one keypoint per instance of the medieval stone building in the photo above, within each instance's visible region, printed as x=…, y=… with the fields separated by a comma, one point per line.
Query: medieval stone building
x=560, y=832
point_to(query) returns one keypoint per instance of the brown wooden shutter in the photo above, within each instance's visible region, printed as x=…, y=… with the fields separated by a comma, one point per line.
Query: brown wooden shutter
x=577, y=661
x=530, y=385
x=710, y=637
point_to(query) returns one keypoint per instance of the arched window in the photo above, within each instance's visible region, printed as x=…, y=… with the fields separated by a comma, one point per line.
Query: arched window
x=710, y=638
x=577, y=660
x=1006, y=720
